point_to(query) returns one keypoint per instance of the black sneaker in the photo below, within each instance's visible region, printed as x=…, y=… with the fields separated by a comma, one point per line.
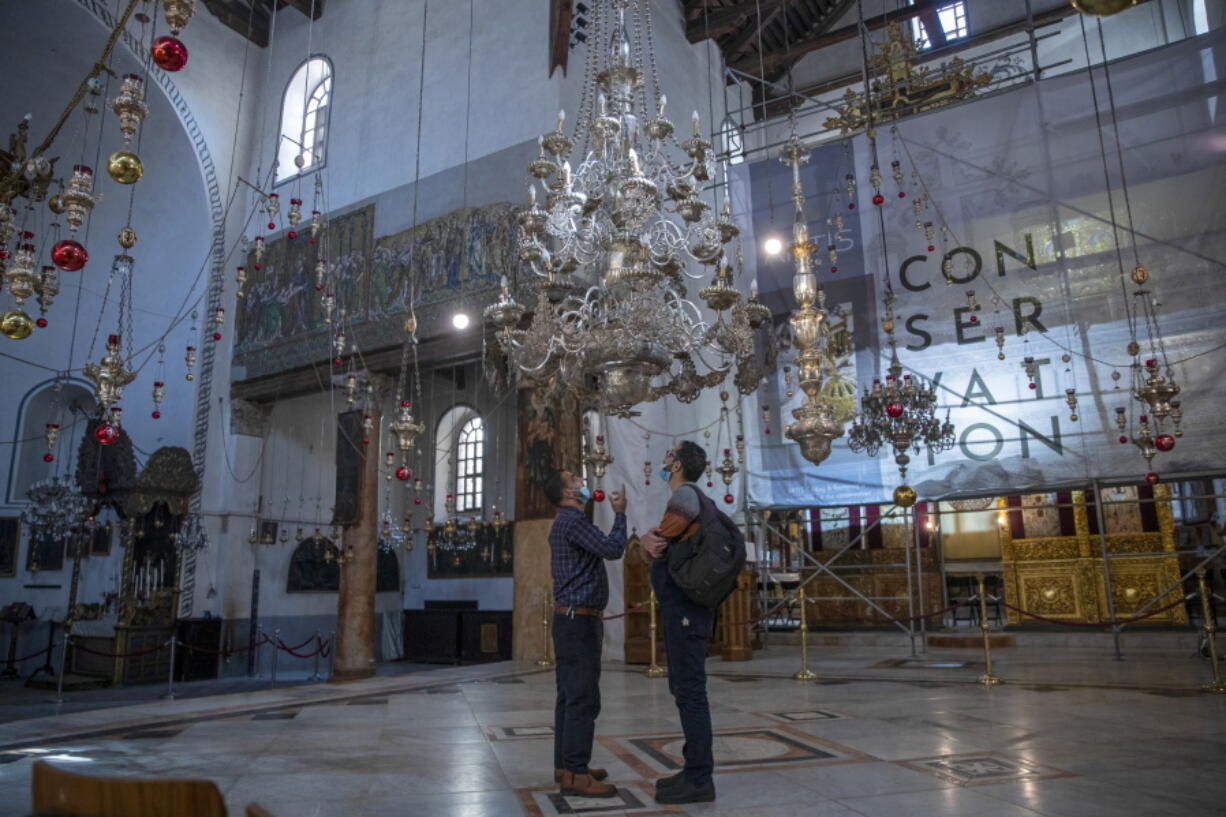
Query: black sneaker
x=669, y=782
x=684, y=791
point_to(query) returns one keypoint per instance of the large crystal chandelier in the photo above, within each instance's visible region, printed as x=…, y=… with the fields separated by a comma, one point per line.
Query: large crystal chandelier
x=610, y=246
x=900, y=413
x=817, y=424
x=56, y=510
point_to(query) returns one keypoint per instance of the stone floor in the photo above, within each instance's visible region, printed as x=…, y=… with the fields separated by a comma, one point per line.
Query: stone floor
x=1070, y=734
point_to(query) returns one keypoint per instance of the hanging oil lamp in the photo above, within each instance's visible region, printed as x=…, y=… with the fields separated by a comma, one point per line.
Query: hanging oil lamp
x=78, y=199
x=129, y=107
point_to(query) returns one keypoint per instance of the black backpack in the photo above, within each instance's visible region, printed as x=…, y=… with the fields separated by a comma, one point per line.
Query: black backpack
x=705, y=565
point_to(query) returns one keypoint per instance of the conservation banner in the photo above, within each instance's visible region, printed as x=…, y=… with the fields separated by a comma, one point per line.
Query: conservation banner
x=1028, y=184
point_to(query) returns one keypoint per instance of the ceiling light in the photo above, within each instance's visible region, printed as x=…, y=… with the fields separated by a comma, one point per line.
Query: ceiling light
x=772, y=246
x=459, y=320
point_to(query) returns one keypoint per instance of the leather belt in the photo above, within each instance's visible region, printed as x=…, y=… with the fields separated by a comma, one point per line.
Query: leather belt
x=579, y=611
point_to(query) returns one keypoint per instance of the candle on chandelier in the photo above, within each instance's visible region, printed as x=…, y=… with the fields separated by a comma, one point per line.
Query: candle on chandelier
x=697, y=123
x=561, y=119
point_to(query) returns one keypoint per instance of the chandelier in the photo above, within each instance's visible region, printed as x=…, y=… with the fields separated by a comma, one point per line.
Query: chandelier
x=609, y=248
x=817, y=424
x=900, y=413
x=56, y=510
x=191, y=536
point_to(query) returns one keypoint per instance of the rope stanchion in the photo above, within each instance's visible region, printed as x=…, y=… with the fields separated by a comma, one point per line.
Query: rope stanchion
x=170, y=680
x=987, y=679
x=653, y=670
x=804, y=673
x=627, y=611
x=1216, y=685
x=545, y=660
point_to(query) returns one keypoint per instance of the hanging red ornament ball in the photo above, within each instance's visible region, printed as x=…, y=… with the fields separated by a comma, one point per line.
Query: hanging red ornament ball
x=647, y=482
x=974, y=319
x=41, y=323
x=216, y=336
x=157, y=415
x=1151, y=478
x=851, y=205
x=311, y=240
x=292, y=234
x=272, y=225
x=1164, y=442
x=48, y=457
x=710, y=484
x=366, y=441
x=169, y=53
x=69, y=255
x=728, y=499
x=878, y=199
x=1123, y=438
x=1033, y=385
x=337, y=361
x=105, y=434
x=894, y=409
x=598, y=495
x=901, y=194
x=403, y=473
x=417, y=501
x=259, y=266
x=931, y=248
x=768, y=431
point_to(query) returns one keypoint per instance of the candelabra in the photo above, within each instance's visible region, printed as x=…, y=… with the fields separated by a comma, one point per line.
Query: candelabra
x=609, y=261
x=817, y=425
x=900, y=413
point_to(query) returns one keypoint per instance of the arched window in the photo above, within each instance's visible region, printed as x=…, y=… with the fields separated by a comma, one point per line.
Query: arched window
x=71, y=406
x=314, y=567
x=459, y=457
x=304, y=119
x=470, y=465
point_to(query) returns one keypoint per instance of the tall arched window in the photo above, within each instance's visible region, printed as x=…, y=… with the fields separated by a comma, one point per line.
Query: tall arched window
x=304, y=119
x=459, y=461
x=470, y=465
x=70, y=406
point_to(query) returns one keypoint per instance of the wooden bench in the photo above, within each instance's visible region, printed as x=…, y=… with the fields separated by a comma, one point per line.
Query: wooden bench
x=59, y=793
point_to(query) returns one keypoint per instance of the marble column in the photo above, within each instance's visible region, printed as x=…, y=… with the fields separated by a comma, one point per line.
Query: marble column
x=355, y=605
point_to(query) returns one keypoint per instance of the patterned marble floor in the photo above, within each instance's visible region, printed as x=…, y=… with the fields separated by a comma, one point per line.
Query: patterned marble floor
x=900, y=739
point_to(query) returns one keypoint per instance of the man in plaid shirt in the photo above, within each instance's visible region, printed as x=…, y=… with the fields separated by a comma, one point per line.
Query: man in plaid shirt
x=580, y=592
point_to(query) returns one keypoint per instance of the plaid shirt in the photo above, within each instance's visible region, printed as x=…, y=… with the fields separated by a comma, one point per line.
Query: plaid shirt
x=577, y=549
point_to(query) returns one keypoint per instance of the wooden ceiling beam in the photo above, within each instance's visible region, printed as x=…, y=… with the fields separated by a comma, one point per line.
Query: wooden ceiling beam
x=716, y=22
x=313, y=9
x=778, y=57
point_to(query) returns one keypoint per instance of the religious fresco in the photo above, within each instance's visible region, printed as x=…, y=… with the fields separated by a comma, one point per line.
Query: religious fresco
x=1040, y=516
x=462, y=252
x=280, y=322
x=281, y=306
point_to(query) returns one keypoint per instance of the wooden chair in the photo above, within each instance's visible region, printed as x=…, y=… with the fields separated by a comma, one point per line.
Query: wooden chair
x=59, y=793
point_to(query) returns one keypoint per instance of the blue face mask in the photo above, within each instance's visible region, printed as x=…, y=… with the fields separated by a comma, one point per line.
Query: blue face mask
x=585, y=494
x=666, y=473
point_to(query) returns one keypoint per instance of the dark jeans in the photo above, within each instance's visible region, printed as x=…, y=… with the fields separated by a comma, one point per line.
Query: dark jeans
x=687, y=627
x=577, y=642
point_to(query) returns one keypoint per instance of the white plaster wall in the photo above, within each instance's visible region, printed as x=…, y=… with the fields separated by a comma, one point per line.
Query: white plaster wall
x=57, y=42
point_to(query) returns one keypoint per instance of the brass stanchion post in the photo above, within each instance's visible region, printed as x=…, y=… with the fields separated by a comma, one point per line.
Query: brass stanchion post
x=1217, y=685
x=987, y=679
x=804, y=674
x=545, y=660
x=654, y=670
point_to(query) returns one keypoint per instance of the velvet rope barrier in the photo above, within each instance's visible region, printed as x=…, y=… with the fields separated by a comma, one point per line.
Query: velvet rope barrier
x=136, y=654
x=228, y=653
x=1098, y=624
x=43, y=651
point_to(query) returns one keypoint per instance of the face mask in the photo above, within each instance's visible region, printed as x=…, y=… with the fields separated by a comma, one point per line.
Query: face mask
x=585, y=494
x=666, y=473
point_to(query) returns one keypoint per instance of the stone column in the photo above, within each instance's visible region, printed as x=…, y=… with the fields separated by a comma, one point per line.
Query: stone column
x=355, y=604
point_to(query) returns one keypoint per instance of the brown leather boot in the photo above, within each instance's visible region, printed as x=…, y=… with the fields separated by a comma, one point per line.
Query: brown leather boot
x=584, y=785
x=597, y=774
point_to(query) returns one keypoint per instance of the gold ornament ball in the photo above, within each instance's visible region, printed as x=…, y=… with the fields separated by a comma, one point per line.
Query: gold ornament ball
x=1134, y=348
x=1140, y=275
x=1102, y=8
x=904, y=496
x=127, y=238
x=16, y=324
x=125, y=167
x=55, y=205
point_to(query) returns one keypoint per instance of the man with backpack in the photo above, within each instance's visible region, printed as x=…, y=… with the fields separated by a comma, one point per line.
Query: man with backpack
x=697, y=553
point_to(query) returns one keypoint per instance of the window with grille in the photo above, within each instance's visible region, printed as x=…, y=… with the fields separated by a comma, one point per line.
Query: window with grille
x=470, y=465
x=304, y=119
x=953, y=25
